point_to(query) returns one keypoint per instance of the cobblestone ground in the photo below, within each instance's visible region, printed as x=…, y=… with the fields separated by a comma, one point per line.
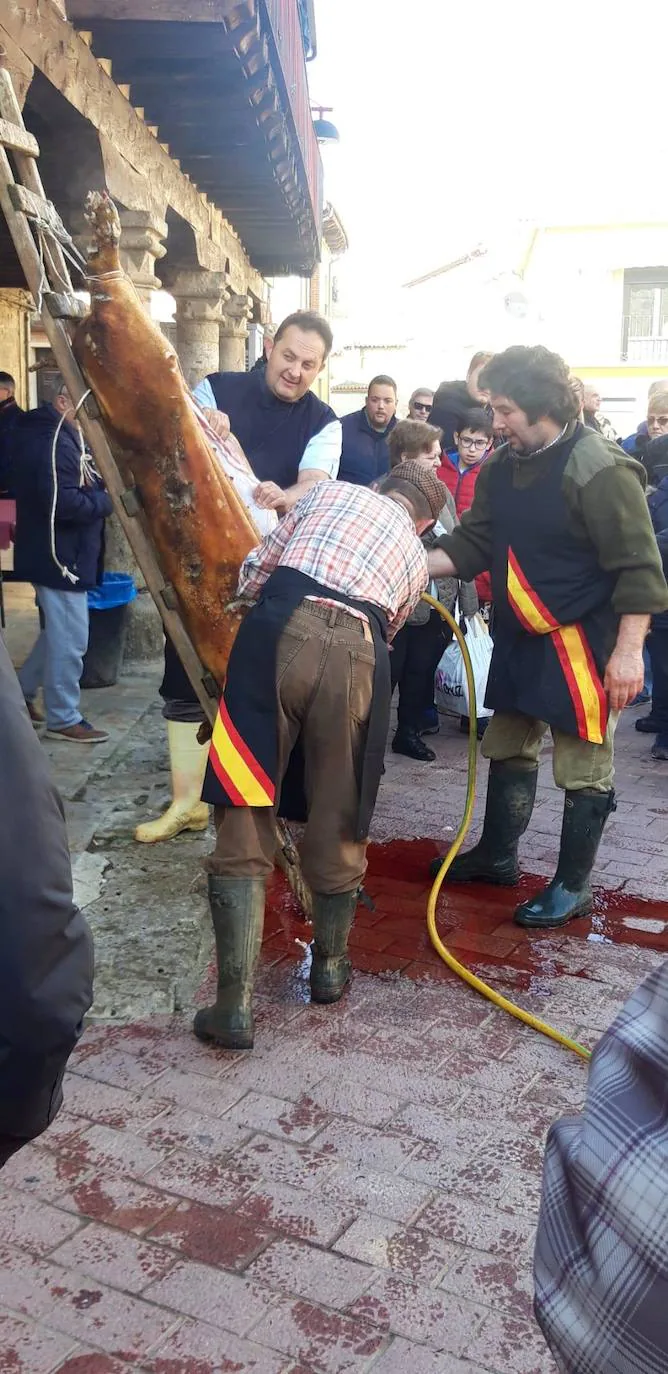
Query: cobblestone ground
x=359, y=1193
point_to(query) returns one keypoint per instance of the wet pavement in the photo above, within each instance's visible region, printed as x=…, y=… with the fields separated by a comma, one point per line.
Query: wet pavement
x=359, y=1193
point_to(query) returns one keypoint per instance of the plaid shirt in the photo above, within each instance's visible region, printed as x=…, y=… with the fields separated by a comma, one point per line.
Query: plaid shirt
x=350, y=539
x=601, y=1262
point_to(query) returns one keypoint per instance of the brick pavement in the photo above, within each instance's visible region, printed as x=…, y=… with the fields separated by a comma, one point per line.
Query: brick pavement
x=360, y=1192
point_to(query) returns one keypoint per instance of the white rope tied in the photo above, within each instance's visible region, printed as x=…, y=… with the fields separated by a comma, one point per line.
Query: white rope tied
x=86, y=473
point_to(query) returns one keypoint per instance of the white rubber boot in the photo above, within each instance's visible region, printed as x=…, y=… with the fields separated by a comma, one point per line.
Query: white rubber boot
x=188, y=764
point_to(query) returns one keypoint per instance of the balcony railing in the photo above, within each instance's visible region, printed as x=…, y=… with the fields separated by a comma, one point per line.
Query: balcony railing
x=639, y=343
x=284, y=20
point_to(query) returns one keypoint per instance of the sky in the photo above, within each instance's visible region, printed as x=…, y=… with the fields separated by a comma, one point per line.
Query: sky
x=458, y=119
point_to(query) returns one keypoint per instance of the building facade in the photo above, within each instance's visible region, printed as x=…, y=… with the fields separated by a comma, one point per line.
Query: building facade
x=195, y=117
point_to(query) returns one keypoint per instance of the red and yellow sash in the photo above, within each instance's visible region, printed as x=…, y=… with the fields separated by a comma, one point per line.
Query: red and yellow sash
x=237, y=770
x=575, y=656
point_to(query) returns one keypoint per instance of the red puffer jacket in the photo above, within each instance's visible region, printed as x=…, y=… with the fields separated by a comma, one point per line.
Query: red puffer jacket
x=462, y=486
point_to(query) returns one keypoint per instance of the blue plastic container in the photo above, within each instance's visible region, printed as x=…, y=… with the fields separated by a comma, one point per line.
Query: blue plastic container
x=107, y=605
x=117, y=589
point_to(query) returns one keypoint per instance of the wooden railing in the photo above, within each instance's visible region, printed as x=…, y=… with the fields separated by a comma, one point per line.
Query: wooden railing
x=284, y=24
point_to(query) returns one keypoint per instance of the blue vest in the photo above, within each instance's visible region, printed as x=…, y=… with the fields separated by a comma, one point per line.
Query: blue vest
x=365, y=455
x=273, y=433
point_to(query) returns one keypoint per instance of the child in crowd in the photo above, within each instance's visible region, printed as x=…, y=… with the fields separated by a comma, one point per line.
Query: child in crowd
x=459, y=471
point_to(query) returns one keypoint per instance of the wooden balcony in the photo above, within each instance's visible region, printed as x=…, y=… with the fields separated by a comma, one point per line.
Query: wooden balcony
x=225, y=85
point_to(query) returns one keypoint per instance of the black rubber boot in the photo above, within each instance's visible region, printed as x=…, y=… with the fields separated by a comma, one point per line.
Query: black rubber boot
x=333, y=915
x=511, y=793
x=237, y=912
x=569, y=894
x=408, y=742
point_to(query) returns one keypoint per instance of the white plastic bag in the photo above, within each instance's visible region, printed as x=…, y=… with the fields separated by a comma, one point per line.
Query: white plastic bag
x=451, y=686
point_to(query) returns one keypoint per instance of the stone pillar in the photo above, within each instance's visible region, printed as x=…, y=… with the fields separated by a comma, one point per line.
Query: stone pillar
x=140, y=248
x=234, y=332
x=199, y=299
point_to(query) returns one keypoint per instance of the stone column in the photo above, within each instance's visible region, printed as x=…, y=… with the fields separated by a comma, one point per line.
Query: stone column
x=140, y=248
x=234, y=332
x=199, y=299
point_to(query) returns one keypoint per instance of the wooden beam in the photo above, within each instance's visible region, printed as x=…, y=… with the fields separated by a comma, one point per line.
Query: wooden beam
x=154, y=11
x=18, y=140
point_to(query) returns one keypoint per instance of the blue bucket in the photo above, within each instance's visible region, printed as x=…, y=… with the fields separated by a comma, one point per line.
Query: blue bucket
x=117, y=589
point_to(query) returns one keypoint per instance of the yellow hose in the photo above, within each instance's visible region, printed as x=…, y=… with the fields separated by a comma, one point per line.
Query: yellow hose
x=448, y=958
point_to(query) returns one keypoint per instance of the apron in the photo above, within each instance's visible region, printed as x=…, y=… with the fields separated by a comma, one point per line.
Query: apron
x=555, y=627
x=243, y=757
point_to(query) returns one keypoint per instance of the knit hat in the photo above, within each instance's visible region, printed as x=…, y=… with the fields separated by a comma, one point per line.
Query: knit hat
x=426, y=481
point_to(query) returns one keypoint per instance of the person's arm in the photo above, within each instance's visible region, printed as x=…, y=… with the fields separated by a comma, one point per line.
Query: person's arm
x=416, y=581
x=320, y=461
x=262, y=561
x=468, y=550
x=75, y=504
x=217, y=419
x=615, y=514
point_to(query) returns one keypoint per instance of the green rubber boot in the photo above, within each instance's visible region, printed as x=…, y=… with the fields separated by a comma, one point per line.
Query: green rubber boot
x=333, y=915
x=511, y=793
x=237, y=912
x=569, y=893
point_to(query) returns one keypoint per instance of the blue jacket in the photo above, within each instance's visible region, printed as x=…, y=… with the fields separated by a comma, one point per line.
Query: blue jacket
x=658, y=509
x=365, y=455
x=636, y=443
x=80, y=510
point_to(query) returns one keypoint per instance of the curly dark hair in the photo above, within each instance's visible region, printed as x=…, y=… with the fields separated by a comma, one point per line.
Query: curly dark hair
x=537, y=380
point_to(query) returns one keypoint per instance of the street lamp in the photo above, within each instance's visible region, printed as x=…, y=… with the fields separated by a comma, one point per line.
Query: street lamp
x=325, y=131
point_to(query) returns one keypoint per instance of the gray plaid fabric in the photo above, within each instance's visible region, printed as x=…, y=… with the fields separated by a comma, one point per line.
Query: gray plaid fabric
x=601, y=1261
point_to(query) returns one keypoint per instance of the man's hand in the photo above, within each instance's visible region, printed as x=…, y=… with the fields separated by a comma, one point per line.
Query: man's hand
x=624, y=677
x=440, y=564
x=218, y=421
x=269, y=496
x=625, y=673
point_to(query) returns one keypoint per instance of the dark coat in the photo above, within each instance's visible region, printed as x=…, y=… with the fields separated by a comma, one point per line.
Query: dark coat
x=452, y=402
x=658, y=509
x=365, y=455
x=80, y=510
x=10, y=413
x=46, y=950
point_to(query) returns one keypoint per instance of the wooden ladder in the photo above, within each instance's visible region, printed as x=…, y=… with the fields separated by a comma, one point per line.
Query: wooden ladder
x=42, y=244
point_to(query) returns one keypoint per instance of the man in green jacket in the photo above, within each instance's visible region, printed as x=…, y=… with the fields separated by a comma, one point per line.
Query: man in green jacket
x=560, y=519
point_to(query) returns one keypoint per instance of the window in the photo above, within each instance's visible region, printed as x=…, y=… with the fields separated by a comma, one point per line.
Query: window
x=645, y=322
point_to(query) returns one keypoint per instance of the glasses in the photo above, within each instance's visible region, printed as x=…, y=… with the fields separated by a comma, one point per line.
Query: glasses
x=660, y=420
x=478, y=444
x=422, y=405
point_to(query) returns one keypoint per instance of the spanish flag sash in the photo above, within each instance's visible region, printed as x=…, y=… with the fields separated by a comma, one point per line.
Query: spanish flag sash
x=555, y=626
x=573, y=651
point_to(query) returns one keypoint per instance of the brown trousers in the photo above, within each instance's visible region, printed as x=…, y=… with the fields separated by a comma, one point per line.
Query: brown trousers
x=324, y=684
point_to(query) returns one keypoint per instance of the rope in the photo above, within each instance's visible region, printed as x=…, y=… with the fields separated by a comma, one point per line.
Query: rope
x=86, y=471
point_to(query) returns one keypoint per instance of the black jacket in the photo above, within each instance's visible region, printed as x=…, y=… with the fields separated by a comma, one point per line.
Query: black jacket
x=10, y=413
x=46, y=951
x=80, y=510
x=452, y=401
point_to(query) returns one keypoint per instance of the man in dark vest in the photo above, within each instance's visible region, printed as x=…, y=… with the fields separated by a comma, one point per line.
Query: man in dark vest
x=365, y=456
x=292, y=440
x=290, y=437
x=560, y=518
x=303, y=722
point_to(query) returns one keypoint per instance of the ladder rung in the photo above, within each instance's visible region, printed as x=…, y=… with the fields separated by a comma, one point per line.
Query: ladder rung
x=65, y=307
x=39, y=210
x=18, y=139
